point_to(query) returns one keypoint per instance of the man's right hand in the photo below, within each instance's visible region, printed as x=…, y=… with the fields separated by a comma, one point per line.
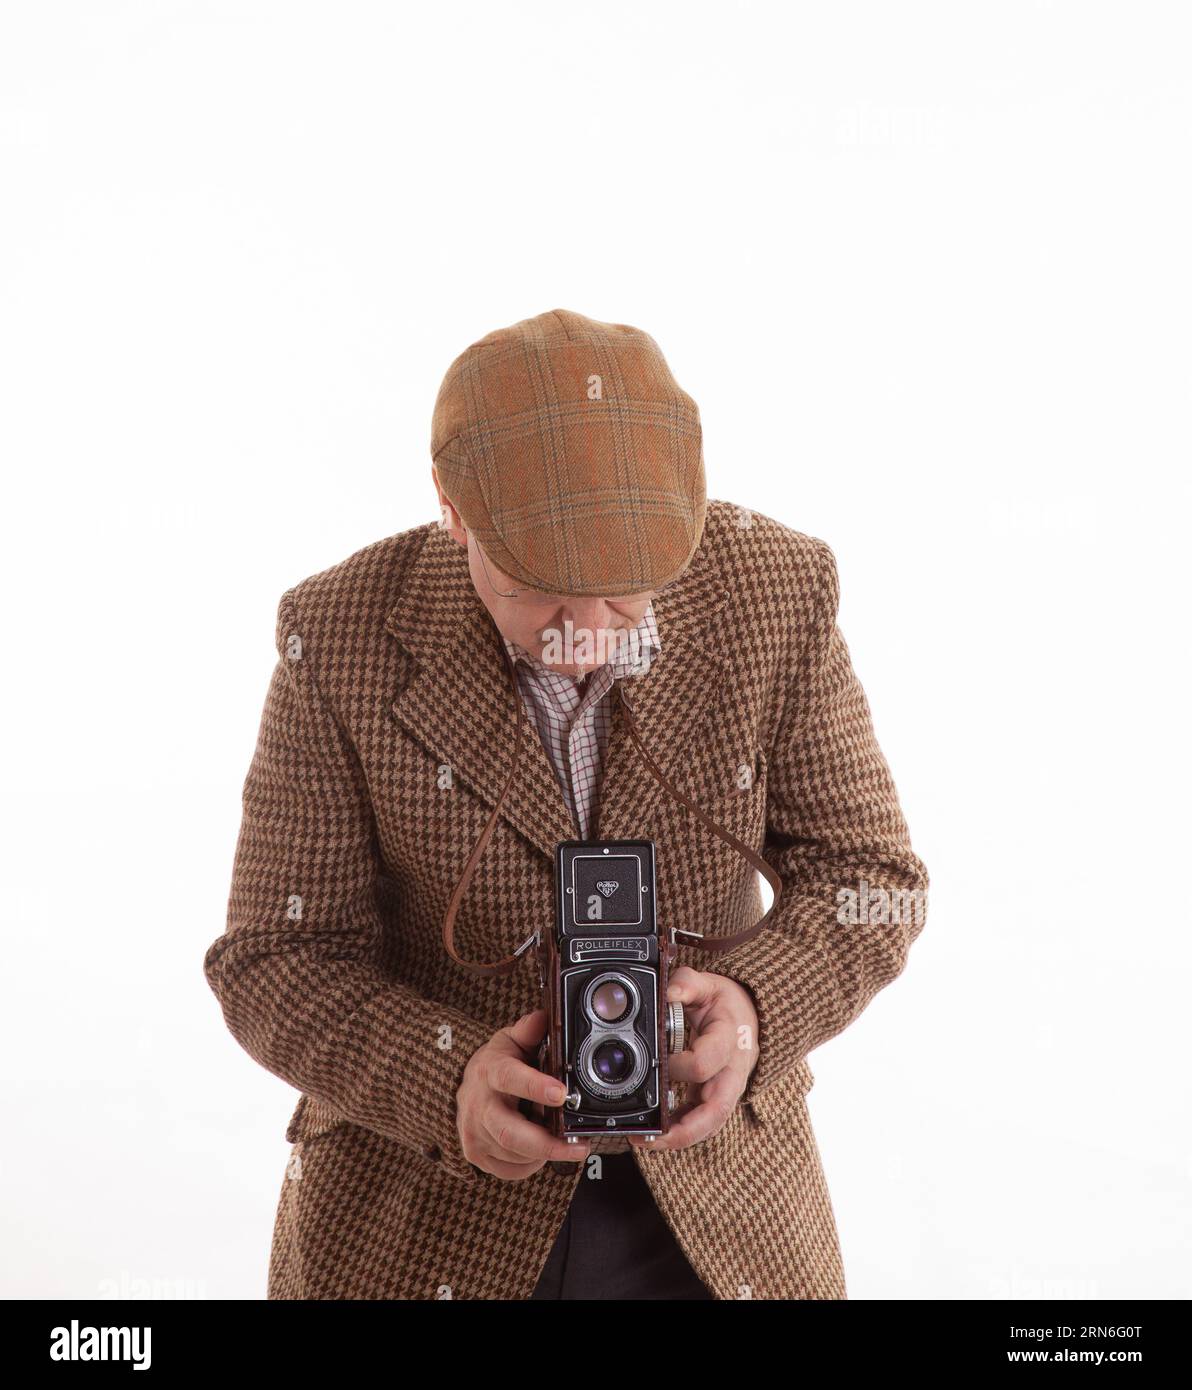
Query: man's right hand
x=495, y=1135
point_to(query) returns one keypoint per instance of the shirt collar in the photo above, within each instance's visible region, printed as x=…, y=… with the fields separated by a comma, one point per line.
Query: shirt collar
x=632, y=655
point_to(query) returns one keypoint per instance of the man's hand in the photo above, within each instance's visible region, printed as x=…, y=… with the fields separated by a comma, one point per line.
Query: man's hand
x=718, y=1062
x=494, y=1134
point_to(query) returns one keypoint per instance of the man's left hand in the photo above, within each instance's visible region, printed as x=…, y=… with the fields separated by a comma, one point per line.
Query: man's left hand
x=717, y=1065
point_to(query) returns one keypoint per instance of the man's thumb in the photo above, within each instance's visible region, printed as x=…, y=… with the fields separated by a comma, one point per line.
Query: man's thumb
x=528, y=1031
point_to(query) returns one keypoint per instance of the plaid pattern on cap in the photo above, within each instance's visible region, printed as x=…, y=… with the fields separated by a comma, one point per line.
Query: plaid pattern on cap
x=571, y=452
x=573, y=715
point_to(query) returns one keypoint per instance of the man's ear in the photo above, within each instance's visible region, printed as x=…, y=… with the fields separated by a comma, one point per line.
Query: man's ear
x=449, y=518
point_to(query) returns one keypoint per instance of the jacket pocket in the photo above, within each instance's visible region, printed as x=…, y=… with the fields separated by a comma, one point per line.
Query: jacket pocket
x=311, y=1118
x=780, y=1096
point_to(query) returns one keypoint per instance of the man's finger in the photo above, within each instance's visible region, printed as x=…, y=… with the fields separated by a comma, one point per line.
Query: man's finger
x=511, y=1172
x=707, y=1056
x=522, y=1139
x=527, y=1032
x=513, y=1077
x=699, y=1121
x=688, y=986
x=693, y=1126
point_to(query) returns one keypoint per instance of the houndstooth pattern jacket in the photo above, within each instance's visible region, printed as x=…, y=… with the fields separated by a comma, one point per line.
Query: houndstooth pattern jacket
x=383, y=745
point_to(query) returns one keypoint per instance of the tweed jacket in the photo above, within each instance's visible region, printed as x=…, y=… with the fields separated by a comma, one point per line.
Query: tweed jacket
x=383, y=745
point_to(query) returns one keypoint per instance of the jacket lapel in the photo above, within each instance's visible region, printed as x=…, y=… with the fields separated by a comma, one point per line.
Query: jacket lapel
x=670, y=701
x=460, y=704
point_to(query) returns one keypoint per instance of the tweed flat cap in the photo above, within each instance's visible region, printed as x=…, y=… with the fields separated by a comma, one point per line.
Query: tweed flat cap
x=571, y=452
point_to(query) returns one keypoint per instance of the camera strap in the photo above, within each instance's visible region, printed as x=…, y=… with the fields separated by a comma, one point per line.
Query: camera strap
x=715, y=944
x=507, y=963
x=718, y=945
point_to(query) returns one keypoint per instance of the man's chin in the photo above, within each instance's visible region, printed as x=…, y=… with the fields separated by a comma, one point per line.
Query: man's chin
x=572, y=670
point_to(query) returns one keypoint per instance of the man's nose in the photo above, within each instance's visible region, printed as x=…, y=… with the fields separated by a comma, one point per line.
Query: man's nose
x=591, y=613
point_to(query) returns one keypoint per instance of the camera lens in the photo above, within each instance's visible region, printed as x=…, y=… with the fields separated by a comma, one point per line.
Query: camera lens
x=610, y=1001
x=611, y=1062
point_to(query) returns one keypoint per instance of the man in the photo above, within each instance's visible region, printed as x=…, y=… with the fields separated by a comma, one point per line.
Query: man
x=570, y=474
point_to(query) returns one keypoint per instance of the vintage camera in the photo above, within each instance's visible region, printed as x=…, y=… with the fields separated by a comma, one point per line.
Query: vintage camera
x=604, y=973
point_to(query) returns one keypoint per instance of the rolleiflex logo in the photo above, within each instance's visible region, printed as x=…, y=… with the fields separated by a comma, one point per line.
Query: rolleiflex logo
x=75, y=1343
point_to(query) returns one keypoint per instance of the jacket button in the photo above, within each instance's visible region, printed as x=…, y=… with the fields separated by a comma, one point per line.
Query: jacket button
x=433, y=1151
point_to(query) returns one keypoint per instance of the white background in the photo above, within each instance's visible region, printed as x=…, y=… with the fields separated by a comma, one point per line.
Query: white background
x=925, y=270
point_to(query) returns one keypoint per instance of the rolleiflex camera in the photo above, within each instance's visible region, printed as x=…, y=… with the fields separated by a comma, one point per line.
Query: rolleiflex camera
x=609, y=1027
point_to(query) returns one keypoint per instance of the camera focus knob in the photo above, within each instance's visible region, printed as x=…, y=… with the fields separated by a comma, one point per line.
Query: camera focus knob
x=676, y=1028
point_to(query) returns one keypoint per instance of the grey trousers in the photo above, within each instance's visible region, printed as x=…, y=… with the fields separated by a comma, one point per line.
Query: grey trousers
x=615, y=1244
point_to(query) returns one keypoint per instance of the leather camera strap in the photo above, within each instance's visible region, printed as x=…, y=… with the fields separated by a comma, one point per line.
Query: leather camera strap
x=507, y=963
x=717, y=945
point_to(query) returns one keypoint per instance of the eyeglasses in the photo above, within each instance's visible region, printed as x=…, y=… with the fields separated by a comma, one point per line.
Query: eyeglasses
x=538, y=596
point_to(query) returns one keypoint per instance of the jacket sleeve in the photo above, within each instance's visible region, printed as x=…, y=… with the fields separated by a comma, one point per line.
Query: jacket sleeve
x=296, y=971
x=854, y=893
